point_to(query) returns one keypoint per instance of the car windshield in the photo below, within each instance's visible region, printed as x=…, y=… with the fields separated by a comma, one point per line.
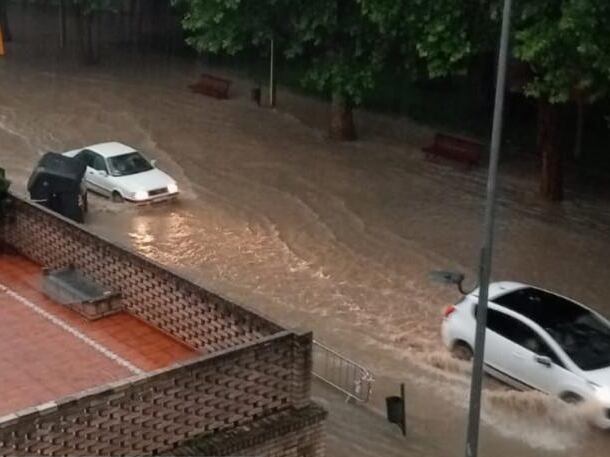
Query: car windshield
x=128, y=164
x=586, y=341
x=583, y=335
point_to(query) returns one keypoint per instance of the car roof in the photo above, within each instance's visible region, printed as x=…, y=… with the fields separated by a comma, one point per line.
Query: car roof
x=110, y=149
x=496, y=289
x=541, y=306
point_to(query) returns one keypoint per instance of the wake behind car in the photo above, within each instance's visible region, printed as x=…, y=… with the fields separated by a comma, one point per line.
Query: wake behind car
x=121, y=173
x=538, y=339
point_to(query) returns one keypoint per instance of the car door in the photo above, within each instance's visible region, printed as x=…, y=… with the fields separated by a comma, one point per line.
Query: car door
x=500, y=349
x=86, y=157
x=539, y=365
x=97, y=174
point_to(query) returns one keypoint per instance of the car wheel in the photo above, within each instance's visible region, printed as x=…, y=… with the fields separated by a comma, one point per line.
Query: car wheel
x=462, y=351
x=117, y=198
x=571, y=397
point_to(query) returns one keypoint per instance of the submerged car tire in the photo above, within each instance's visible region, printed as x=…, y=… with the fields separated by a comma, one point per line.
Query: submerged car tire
x=117, y=197
x=462, y=351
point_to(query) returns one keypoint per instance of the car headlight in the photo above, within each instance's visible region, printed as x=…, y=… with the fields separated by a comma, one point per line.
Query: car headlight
x=140, y=195
x=601, y=393
x=172, y=188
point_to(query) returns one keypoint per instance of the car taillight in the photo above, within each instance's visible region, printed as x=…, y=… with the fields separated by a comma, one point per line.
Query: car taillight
x=449, y=310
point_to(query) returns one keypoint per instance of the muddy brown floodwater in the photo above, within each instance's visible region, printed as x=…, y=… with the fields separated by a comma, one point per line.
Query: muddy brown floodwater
x=339, y=238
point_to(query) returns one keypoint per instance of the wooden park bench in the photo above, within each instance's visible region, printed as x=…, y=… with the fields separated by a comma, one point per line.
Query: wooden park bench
x=456, y=148
x=212, y=86
x=71, y=288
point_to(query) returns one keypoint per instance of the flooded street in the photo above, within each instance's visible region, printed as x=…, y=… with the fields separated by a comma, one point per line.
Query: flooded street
x=339, y=238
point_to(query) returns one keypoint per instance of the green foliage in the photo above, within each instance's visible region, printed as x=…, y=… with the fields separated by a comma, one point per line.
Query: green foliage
x=231, y=26
x=347, y=43
x=567, y=45
x=434, y=38
x=345, y=48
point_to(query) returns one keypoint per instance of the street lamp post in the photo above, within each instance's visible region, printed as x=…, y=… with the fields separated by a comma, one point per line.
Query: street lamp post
x=474, y=416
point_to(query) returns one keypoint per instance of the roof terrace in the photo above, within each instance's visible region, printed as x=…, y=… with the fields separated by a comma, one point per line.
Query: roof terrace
x=48, y=351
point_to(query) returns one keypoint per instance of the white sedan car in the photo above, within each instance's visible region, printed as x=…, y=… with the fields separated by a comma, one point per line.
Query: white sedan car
x=120, y=172
x=540, y=340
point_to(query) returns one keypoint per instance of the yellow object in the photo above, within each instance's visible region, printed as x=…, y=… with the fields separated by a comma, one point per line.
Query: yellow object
x=1, y=42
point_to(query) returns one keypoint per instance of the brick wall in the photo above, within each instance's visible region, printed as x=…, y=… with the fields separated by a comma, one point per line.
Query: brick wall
x=175, y=305
x=156, y=412
x=306, y=442
x=288, y=434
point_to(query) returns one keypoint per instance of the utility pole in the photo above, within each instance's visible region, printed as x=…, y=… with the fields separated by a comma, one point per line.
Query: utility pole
x=474, y=415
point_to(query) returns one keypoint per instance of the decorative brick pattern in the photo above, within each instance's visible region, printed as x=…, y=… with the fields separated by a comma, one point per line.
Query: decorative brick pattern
x=306, y=442
x=56, y=286
x=156, y=412
x=201, y=319
x=286, y=434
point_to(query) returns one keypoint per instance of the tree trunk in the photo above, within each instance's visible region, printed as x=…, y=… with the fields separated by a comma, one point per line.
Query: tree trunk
x=131, y=20
x=62, y=24
x=6, y=31
x=482, y=73
x=79, y=27
x=551, y=185
x=140, y=24
x=580, y=124
x=136, y=21
x=342, y=120
x=272, y=86
x=89, y=47
x=84, y=29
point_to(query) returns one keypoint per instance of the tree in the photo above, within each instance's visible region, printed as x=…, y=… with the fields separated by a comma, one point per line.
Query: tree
x=86, y=12
x=433, y=38
x=4, y=23
x=346, y=54
x=230, y=26
x=567, y=46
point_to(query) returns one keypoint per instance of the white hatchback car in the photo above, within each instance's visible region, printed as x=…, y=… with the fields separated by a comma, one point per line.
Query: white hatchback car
x=120, y=172
x=537, y=339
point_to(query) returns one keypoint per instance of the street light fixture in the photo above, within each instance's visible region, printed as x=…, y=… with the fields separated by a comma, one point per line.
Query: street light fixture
x=449, y=277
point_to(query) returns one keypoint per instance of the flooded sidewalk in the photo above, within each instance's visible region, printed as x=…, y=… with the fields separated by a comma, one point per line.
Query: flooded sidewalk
x=338, y=238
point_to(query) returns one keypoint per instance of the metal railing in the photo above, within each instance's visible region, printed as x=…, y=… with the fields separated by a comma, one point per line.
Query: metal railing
x=344, y=374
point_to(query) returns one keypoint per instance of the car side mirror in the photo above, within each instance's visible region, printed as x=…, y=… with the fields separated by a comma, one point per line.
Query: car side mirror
x=103, y=173
x=544, y=360
x=153, y=162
